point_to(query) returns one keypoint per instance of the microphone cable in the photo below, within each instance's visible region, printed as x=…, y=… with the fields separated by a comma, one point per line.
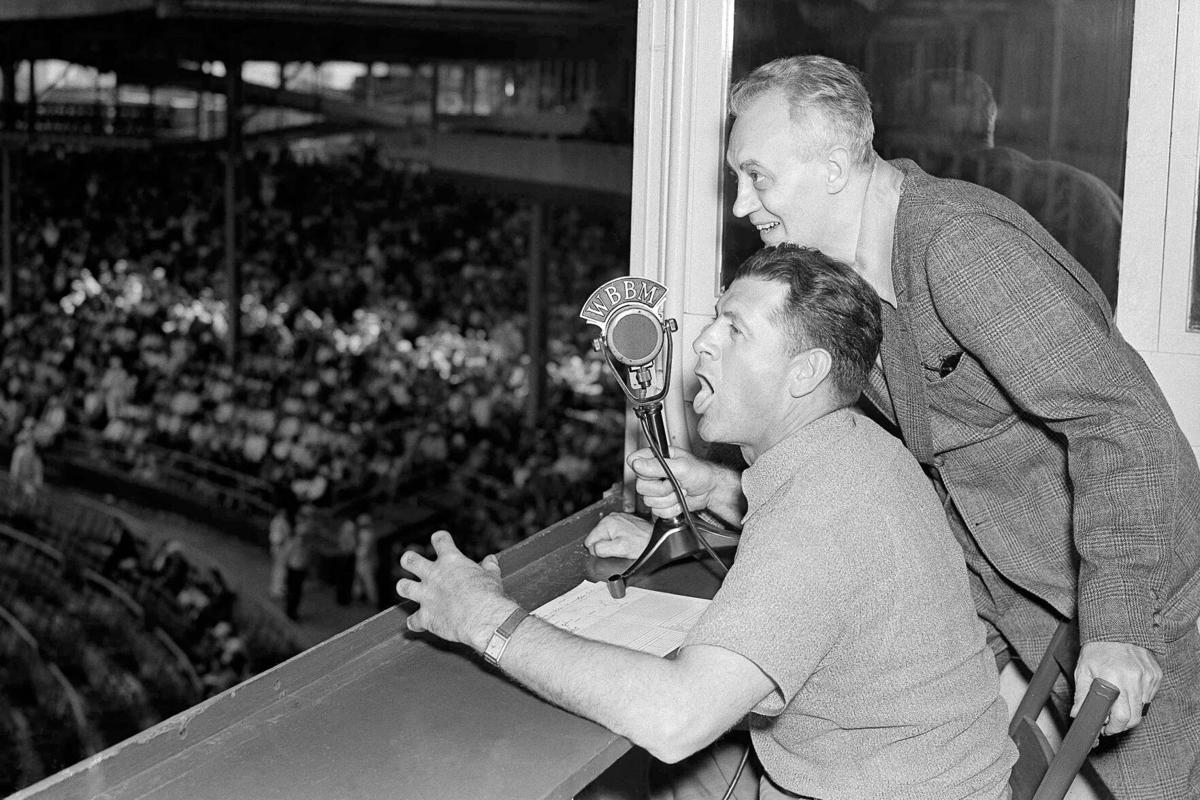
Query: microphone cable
x=679, y=495
x=737, y=773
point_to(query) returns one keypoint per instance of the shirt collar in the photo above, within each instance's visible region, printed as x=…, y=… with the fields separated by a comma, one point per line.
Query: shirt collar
x=778, y=466
x=877, y=229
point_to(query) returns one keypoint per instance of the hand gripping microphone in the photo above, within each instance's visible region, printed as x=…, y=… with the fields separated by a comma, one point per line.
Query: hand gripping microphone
x=636, y=344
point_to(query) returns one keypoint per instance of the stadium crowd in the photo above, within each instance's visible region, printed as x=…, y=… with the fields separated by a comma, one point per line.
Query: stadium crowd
x=383, y=321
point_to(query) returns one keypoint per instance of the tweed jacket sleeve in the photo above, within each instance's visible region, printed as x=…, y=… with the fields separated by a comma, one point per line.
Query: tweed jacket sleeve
x=1052, y=349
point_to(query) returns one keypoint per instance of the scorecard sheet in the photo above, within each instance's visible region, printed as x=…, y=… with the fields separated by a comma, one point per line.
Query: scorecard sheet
x=646, y=620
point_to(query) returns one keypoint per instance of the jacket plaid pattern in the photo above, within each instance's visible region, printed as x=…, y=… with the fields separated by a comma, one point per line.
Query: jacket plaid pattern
x=1066, y=477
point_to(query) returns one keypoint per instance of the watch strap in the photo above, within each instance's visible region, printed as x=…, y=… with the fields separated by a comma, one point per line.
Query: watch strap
x=499, y=641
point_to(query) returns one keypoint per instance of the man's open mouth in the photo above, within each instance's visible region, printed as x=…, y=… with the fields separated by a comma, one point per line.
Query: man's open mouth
x=703, y=396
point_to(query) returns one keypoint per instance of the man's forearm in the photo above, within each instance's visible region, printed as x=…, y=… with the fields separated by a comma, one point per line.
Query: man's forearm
x=630, y=693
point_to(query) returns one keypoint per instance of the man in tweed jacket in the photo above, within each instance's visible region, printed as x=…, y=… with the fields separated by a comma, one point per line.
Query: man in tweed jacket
x=1063, y=472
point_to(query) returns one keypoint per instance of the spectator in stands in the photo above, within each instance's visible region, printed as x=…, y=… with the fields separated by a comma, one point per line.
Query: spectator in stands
x=345, y=561
x=117, y=387
x=125, y=555
x=298, y=557
x=52, y=422
x=221, y=599
x=170, y=568
x=366, y=562
x=228, y=664
x=278, y=533
x=25, y=469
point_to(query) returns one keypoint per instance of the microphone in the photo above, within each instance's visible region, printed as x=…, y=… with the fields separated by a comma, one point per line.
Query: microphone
x=636, y=343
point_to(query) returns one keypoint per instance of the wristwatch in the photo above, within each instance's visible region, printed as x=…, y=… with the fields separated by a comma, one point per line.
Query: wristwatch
x=499, y=641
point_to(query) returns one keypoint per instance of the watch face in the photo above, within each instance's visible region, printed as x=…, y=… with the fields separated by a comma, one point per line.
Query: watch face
x=495, y=647
x=499, y=641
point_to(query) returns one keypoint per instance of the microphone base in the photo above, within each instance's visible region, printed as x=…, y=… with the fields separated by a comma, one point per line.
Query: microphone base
x=670, y=541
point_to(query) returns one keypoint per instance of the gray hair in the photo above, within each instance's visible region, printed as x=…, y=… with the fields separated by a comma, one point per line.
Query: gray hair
x=816, y=84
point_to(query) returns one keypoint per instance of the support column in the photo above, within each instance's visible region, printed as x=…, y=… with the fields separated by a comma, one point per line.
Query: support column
x=536, y=336
x=435, y=84
x=31, y=107
x=9, y=120
x=6, y=234
x=8, y=123
x=233, y=157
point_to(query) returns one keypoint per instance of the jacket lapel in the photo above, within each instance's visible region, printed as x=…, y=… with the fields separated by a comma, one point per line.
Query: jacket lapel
x=902, y=373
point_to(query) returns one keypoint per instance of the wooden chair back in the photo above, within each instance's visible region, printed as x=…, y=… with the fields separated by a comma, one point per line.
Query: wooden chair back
x=1041, y=773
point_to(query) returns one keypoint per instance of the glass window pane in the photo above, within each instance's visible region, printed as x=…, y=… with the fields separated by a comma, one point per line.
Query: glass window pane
x=1026, y=97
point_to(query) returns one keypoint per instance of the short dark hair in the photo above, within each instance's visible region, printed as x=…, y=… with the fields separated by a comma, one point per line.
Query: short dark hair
x=828, y=305
x=825, y=85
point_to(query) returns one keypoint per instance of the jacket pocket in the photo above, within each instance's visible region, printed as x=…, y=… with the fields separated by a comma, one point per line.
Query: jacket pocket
x=962, y=389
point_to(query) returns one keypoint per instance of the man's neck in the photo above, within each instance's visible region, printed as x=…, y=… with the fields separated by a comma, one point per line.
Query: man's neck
x=848, y=210
x=800, y=416
x=876, y=226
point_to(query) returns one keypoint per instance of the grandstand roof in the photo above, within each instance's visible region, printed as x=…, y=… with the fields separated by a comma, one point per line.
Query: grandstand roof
x=112, y=33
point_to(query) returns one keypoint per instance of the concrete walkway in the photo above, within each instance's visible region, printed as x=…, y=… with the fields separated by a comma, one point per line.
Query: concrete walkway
x=245, y=566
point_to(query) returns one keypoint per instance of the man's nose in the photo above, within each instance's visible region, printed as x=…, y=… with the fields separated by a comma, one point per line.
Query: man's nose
x=746, y=200
x=703, y=345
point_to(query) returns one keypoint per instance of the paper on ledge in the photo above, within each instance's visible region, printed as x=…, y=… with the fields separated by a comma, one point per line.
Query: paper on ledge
x=646, y=620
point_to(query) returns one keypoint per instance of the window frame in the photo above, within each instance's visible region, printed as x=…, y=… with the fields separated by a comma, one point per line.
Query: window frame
x=1162, y=179
x=684, y=55
x=1183, y=182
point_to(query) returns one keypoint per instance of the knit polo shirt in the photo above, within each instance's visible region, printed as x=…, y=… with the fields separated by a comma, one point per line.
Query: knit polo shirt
x=851, y=594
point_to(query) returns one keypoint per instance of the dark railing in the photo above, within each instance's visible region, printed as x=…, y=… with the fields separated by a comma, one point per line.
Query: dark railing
x=174, y=471
x=62, y=701
x=235, y=502
x=50, y=559
x=86, y=535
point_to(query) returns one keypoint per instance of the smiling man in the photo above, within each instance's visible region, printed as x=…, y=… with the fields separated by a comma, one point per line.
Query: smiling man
x=844, y=629
x=1064, y=474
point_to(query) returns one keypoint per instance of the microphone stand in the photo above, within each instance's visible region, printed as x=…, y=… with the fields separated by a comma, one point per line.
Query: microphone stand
x=682, y=535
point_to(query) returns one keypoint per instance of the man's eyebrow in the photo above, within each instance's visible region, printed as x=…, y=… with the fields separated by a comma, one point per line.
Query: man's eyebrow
x=734, y=316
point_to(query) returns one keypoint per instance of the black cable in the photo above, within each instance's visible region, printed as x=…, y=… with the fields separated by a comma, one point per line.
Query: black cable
x=737, y=773
x=687, y=515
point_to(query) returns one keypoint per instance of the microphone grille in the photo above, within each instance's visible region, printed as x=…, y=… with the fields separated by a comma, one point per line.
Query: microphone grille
x=635, y=338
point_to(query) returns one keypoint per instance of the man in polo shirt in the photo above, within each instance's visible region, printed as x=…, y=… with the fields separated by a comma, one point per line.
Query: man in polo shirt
x=844, y=628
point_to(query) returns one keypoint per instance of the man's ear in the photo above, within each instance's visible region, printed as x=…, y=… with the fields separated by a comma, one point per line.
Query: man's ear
x=837, y=167
x=809, y=370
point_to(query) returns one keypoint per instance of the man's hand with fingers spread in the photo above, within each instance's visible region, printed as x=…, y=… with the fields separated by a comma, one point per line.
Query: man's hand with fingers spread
x=460, y=601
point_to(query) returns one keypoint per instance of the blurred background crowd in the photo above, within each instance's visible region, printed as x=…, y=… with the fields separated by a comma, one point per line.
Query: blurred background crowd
x=383, y=316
